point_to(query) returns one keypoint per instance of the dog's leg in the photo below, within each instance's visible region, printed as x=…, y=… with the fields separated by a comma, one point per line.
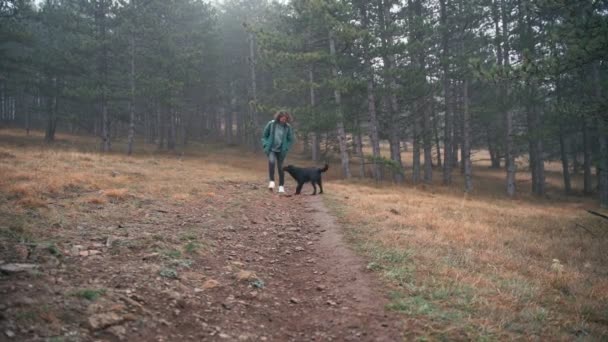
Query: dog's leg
x=320, y=185
x=299, y=188
x=314, y=188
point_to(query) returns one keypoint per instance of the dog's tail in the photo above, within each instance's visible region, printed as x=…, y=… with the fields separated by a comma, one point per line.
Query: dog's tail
x=324, y=168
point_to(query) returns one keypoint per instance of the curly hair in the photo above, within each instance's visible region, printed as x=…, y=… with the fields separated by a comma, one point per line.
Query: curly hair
x=282, y=113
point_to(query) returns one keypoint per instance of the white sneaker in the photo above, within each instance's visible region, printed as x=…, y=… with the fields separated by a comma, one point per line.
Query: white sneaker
x=271, y=185
x=281, y=189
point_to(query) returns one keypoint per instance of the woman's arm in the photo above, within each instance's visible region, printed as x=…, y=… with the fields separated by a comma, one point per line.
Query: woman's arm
x=290, y=136
x=266, y=134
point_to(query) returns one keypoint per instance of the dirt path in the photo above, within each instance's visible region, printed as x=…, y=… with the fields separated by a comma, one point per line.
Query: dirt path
x=337, y=299
x=359, y=293
x=239, y=264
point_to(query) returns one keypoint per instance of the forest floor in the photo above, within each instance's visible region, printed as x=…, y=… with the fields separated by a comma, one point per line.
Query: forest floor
x=192, y=246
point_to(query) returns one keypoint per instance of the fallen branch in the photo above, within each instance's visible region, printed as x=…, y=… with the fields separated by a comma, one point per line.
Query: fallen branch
x=597, y=214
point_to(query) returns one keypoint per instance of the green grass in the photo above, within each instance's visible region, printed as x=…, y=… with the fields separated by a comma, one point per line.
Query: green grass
x=535, y=314
x=172, y=254
x=54, y=250
x=182, y=263
x=90, y=294
x=15, y=228
x=27, y=315
x=519, y=288
x=447, y=304
x=192, y=247
x=190, y=236
x=411, y=305
x=57, y=339
x=391, y=257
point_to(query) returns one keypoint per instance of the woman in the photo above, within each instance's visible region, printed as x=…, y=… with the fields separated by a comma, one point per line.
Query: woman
x=276, y=140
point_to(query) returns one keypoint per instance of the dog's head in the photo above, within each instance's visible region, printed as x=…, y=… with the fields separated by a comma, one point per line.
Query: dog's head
x=289, y=168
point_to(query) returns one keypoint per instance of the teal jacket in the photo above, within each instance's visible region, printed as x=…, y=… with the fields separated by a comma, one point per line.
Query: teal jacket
x=268, y=136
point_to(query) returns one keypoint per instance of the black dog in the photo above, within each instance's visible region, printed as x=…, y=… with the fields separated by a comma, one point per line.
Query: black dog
x=304, y=175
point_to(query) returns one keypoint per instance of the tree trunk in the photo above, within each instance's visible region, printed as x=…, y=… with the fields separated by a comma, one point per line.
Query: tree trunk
x=456, y=126
x=449, y=128
x=161, y=127
x=393, y=108
x=306, y=144
x=216, y=123
x=395, y=147
x=587, y=181
x=535, y=141
x=532, y=150
x=115, y=130
x=177, y=122
x=2, y=101
x=422, y=130
x=492, y=135
x=210, y=122
x=563, y=147
x=51, y=125
x=171, y=133
x=449, y=125
x=436, y=135
x=494, y=154
x=202, y=116
x=103, y=73
x=373, y=126
x=564, y=157
x=421, y=119
x=575, y=163
x=149, y=127
x=507, y=114
x=509, y=153
x=371, y=103
x=28, y=121
x=253, y=104
x=460, y=106
x=184, y=124
x=25, y=109
x=602, y=127
x=315, y=144
x=428, y=147
x=337, y=96
x=232, y=114
x=21, y=108
x=537, y=161
x=466, y=139
x=416, y=149
x=228, y=115
x=131, y=136
x=535, y=145
x=358, y=140
x=105, y=126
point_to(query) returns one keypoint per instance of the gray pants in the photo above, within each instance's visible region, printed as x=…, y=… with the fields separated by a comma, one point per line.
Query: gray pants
x=273, y=158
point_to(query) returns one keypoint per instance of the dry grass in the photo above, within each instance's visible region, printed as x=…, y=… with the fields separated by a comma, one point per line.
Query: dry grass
x=116, y=194
x=32, y=203
x=95, y=200
x=466, y=267
x=69, y=183
x=494, y=255
x=71, y=168
x=480, y=265
x=21, y=190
